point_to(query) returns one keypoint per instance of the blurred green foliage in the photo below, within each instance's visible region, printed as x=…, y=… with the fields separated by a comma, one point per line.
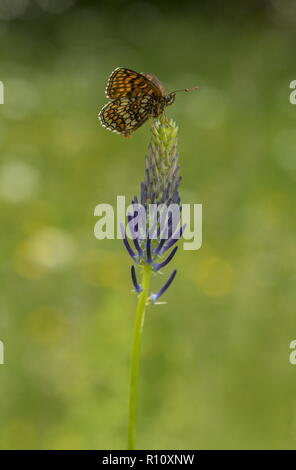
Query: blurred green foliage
x=215, y=363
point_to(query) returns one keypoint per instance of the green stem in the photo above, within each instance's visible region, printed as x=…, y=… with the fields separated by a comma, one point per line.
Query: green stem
x=136, y=352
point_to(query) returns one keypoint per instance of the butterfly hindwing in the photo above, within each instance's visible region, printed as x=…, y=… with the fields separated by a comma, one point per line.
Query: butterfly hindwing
x=124, y=115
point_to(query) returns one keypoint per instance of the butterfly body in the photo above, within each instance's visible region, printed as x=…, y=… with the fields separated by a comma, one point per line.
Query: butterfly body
x=135, y=97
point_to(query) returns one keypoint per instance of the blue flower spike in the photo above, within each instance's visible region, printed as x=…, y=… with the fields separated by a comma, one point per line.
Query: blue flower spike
x=160, y=188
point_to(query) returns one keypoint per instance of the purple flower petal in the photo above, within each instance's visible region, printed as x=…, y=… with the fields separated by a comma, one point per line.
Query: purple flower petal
x=148, y=250
x=159, y=247
x=173, y=240
x=158, y=266
x=127, y=245
x=137, y=286
x=155, y=297
x=138, y=248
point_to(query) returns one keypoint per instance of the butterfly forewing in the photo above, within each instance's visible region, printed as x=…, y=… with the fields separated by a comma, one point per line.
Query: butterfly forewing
x=126, y=82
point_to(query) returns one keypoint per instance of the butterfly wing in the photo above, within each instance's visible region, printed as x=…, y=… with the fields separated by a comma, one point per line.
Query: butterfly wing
x=126, y=82
x=124, y=115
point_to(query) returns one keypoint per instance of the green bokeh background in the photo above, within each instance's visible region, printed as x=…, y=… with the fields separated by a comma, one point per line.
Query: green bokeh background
x=215, y=360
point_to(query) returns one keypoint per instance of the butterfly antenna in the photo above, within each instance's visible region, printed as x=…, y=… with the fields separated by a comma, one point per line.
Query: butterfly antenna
x=186, y=89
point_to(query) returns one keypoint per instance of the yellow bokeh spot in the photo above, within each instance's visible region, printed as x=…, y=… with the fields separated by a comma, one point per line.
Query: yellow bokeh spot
x=106, y=269
x=69, y=441
x=215, y=277
x=46, y=325
x=25, y=266
x=19, y=434
x=47, y=249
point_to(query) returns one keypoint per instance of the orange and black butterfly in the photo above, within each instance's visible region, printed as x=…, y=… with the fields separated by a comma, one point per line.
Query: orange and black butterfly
x=135, y=97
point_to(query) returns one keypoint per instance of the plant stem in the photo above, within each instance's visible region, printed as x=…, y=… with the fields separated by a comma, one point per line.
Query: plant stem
x=136, y=352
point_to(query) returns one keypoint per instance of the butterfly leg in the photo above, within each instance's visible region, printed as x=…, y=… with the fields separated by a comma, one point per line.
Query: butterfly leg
x=166, y=117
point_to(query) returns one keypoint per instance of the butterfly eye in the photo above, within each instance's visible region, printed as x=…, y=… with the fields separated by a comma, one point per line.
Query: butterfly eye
x=170, y=99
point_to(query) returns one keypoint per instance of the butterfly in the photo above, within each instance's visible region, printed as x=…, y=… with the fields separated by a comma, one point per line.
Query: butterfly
x=135, y=97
